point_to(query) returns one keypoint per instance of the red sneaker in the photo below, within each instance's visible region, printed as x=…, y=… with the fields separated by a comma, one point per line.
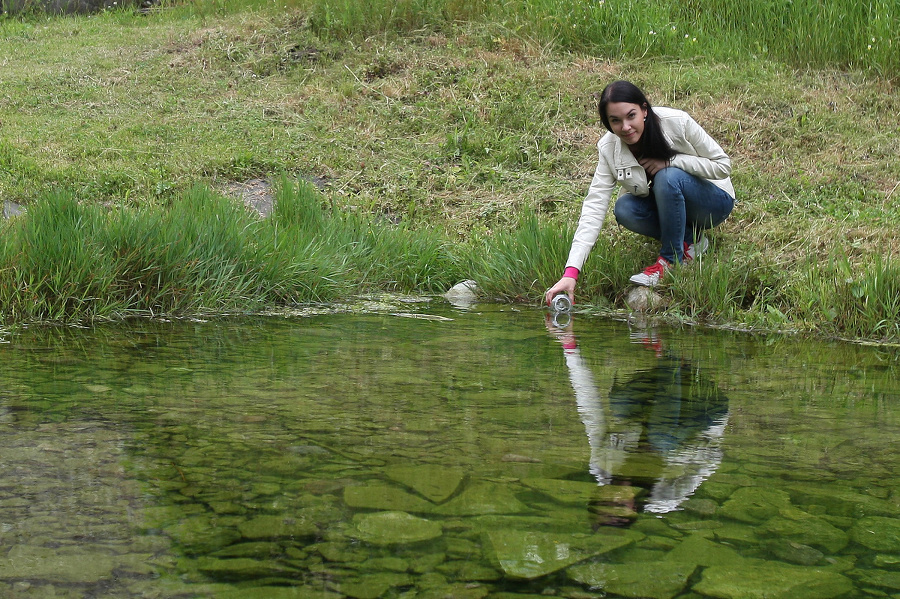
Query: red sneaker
x=652, y=274
x=698, y=248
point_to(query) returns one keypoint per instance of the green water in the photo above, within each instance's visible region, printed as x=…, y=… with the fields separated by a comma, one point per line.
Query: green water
x=478, y=453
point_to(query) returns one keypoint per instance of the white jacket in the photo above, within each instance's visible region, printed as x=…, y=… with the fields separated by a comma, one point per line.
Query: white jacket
x=698, y=154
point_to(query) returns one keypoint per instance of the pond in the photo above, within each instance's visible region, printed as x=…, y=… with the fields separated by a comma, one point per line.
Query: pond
x=421, y=450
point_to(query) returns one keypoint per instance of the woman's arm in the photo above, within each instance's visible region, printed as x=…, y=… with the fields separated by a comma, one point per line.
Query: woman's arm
x=699, y=154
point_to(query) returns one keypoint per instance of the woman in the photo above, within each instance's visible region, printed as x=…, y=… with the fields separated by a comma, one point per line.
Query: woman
x=674, y=178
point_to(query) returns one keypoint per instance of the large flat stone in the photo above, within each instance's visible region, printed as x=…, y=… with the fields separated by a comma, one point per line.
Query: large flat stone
x=529, y=555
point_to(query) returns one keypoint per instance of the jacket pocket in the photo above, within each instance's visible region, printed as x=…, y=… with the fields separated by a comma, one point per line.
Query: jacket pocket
x=633, y=179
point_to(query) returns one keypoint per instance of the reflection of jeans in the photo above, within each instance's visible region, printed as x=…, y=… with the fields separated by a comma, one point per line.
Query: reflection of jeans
x=679, y=205
x=671, y=403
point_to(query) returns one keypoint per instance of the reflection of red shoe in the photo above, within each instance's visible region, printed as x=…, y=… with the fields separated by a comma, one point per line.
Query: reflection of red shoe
x=649, y=340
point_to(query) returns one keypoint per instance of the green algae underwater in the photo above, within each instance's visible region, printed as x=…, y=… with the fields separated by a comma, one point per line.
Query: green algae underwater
x=412, y=448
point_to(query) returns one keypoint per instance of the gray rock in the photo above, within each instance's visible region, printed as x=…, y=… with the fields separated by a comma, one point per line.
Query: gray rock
x=642, y=299
x=462, y=295
x=11, y=209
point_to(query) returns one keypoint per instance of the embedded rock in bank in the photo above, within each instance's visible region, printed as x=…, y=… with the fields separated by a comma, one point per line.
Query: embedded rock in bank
x=877, y=533
x=395, y=528
x=647, y=580
x=11, y=209
x=641, y=299
x=437, y=483
x=529, y=555
x=462, y=294
x=771, y=580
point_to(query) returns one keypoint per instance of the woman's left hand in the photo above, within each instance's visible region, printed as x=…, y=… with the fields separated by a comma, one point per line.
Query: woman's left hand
x=653, y=165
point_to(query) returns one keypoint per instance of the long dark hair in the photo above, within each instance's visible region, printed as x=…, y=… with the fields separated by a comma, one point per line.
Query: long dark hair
x=653, y=142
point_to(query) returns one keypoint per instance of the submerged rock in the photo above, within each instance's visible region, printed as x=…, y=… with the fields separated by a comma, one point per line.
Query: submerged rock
x=755, y=504
x=878, y=533
x=582, y=493
x=529, y=555
x=800, y=527
x=275, y=527
x=483, y=499
x=648, y=580
x=372, y=586
x=771, y=580
x=379, y=496
x=395, y=528
x=699, y=551
x=796, y=553
x=436, y=483
x=202, y=535
x=55, y=565
x=241, y=568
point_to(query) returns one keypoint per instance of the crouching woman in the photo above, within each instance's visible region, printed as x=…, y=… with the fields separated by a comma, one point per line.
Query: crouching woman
x=674, y=179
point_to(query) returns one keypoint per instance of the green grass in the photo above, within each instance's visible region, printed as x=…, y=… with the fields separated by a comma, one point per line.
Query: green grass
x=74, y=262
x=453, y=140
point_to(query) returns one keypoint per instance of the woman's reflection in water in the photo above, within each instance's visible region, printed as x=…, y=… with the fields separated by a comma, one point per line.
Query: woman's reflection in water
x=654, y=426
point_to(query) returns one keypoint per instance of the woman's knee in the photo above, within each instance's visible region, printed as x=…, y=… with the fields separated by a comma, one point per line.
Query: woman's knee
x=669, y=176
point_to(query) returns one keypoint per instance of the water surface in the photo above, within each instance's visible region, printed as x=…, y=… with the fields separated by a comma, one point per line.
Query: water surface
x=425, y=451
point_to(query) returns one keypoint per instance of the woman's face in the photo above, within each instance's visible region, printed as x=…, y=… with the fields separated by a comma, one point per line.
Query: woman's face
x=626, y=120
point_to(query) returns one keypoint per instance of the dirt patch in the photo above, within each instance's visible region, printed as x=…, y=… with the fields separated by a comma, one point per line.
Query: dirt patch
x=256, y=194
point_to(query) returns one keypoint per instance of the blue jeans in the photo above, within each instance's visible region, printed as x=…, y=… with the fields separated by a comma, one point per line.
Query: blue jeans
x=679, y=207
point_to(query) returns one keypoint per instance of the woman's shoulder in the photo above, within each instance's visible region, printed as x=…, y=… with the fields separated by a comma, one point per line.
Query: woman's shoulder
x=607, y=140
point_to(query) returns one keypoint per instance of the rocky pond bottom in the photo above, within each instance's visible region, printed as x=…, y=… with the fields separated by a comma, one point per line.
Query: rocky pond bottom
x=423, y=451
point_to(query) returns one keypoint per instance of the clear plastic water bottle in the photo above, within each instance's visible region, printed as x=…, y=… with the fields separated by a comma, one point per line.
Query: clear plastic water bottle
x=561, y=304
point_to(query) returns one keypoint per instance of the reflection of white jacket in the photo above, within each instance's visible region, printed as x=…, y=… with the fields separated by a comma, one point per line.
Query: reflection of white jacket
x=698, y=154
x=685, y=467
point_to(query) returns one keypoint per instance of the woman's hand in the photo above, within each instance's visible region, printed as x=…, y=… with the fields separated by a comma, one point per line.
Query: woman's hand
x=564, y=285
x=653, y=165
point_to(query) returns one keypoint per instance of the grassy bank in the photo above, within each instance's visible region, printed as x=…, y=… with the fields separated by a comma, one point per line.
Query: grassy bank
x=456, y=129
x=205, y=254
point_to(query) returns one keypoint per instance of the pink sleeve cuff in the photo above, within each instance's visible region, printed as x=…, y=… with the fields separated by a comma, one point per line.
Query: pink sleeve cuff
x=571, y=272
